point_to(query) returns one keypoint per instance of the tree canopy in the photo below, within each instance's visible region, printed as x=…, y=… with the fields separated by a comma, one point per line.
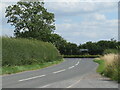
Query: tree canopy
x=31, y=20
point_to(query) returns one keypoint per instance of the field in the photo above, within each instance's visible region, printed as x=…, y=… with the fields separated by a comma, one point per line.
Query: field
x=19, y=52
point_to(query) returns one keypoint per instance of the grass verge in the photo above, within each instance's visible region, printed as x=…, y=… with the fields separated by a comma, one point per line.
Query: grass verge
x=109, y=66
x=101, y=66
x=81, y=56
x=17, y=69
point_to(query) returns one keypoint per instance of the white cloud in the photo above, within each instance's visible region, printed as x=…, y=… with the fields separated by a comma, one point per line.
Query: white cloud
x=2, y=7
x=78, y=8
x=67, y=20
x=10, y=0
x=88, y=30
x=99, y=17
x=6, y=29
x=91, y=35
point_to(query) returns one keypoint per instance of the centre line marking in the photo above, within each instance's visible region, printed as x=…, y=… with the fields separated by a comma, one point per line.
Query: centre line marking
x=77, y=63
x=75, y=83
x=59, y=71
x=71, y=67
x=45, y=86
x=32, y=78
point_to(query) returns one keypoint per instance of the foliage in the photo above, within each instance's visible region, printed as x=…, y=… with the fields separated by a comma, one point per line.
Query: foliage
x=16, y=69
x=81, y=56
x=63, y=46
x=109, y=66
x=94, y=48
x=108, y=51
x=31, y=20
x=112, y=70
x=25, y=52
x=99, y=47
x=57, y=40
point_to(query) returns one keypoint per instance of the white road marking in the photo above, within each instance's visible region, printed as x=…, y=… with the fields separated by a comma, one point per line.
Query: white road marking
x=45, y=86
x=32, y=78
x=45, y=75
x=75, y=83
x=71, y=67
x=77, y=63
x=59, y=71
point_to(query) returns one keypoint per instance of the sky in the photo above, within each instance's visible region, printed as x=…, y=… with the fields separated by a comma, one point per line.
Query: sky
x=77, y=22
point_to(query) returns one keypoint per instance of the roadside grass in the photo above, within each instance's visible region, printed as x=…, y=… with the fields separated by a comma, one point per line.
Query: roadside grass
x=81, y=56
x=112, y=64
x=101, y=66
x=109, y=66
x=17, y=69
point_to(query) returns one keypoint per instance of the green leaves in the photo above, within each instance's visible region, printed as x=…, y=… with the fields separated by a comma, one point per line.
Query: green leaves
x=30, y=19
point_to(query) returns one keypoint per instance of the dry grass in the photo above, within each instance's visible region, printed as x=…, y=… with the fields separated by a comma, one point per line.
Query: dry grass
x=112, y=66
x=110, y=58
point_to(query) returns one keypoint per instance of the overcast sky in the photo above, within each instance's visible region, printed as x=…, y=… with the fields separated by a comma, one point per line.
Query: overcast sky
x=77, y=22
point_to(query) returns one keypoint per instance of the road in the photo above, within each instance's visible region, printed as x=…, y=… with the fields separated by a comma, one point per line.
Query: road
x=72, y=73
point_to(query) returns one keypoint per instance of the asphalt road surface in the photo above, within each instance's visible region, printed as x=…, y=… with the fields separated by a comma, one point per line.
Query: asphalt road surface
x=72, y=73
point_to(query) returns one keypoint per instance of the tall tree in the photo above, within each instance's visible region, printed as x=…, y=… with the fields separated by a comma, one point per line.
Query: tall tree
x=31, y=20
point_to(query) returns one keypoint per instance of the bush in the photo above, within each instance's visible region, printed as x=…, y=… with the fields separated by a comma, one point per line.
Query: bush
x=81, y=56
x=25, y=52
x=112, y=66
x=108, y=51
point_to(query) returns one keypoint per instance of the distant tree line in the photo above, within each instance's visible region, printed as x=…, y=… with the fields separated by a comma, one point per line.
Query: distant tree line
x=100, y=46
x=32, y=20
x=94, y=48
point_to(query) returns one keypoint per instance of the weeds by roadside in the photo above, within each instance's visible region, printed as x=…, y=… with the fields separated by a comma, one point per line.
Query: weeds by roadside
x=109, y=65
x=17, y=69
